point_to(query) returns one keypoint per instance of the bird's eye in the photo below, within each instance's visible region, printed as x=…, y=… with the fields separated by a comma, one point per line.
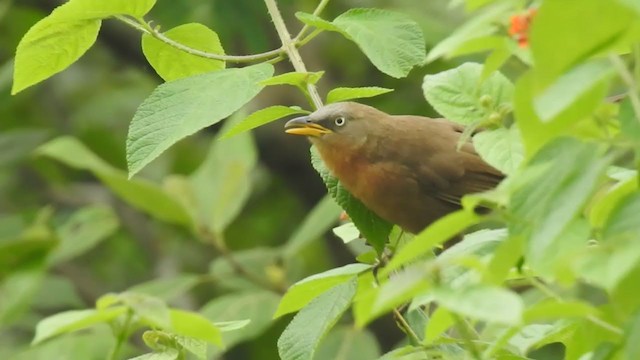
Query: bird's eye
x=340, y=121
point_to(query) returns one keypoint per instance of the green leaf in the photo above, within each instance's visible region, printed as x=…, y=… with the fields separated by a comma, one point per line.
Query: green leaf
x=439, y=322
x=401, y=288
x=347, y=232
x=602, y=207
x=570, y=87
x=530, y=336
x=607, y=263
x=481, y=24
x=437, y=233
x=302, y=336
x=194, y=346
x=560, y=40
x=166, y=289
x=152, y=310
x=631, y=4
x=501, y=148
x=171, y=63
x=256, y=261
x=392, y=41
x=23, y=284
x=347, y=93
x=536, y=132
x=85, y=229
x=140, y=193
x=95, y=9
x=632, y=338
x=314, y=225
x=194, y=325
x=622, y=222
x=557, y=309
x=299, y=79
x=262, y=117
x=233, y=325
x=482, y=302
x=222, y=184
x=372, y=227
x=50, y=47
x=460, y=95
x=168, y=354
x=629, y=122
x=555, y=186
x=61, y=38
x=180, y=108
x=347, y=343
x=408, y=353
x=256, y=306
x=69, y=321
x=305, y=290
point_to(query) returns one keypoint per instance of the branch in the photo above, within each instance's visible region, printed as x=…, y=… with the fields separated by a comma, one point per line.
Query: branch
x=289, y=47
x=141, y=26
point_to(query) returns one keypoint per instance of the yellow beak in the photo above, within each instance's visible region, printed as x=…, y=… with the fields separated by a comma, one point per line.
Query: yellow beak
x=304, y=126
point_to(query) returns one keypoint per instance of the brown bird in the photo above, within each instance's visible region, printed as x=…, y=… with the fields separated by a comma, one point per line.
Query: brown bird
x=406, y=169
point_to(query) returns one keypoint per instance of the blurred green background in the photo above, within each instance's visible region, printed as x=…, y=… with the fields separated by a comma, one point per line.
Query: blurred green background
x=94, y=101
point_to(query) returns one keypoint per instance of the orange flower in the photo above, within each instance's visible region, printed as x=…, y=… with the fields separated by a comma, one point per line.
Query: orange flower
x=520, y=25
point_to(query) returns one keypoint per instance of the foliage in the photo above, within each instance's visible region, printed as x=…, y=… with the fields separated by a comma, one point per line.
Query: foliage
x=553, y=263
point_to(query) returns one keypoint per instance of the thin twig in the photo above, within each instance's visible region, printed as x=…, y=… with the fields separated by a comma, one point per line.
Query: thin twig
x=289, y=46
x=145, y=28
x=404, y=324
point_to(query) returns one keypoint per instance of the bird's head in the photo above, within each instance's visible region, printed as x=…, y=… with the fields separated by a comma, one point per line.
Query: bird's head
x=338, y=124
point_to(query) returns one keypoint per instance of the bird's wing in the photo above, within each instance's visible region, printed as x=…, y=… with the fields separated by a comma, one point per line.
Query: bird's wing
x=450, y=173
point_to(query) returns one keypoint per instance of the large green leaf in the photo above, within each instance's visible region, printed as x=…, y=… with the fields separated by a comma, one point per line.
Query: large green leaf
x=462, y=96
x=222, y=183
x=171, y=63
x=345, y=93
x=347, y=343
x=535, y=132
x=74, y=320
x=194, y=325
x=262, y=117
x=305, y=290
x=436, y=234
x=392, y=41
x=58, y=40
x=180, y=108
x=372, y=227
x=554, y=188
x=84, y=230
x=480, y=25
x=491, y=304
x=561, y=40
x=166, y=288
x=501, y=148
x=302, y=336
x=616, y=256
x=570, y=87
x=140, y=193
x=256, y=306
